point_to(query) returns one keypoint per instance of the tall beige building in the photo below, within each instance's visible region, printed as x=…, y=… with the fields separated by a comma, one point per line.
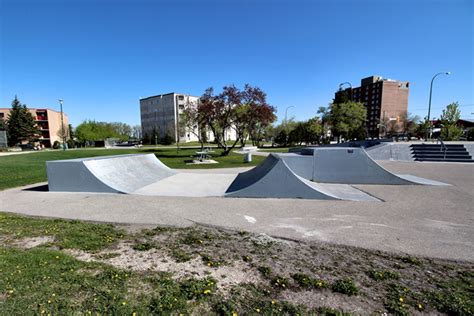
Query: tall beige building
x=160, y=115
x=49, y=123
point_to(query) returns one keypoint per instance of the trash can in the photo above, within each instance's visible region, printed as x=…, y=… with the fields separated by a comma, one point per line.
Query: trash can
x=248, y=157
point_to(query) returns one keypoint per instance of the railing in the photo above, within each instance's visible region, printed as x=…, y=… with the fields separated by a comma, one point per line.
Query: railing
x=443, y=147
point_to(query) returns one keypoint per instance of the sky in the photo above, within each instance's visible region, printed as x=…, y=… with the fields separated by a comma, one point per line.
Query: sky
x=102, y=56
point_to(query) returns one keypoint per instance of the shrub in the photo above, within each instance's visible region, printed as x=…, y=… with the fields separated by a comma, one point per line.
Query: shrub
x=345, y=286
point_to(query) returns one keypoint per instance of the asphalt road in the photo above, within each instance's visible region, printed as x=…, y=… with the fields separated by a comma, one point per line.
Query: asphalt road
x=433, y=221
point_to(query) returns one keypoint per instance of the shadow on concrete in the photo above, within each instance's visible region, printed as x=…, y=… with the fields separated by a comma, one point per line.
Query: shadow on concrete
x=39, y=188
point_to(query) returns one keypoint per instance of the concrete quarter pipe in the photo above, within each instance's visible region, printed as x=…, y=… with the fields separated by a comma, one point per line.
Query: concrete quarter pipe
x=346, y=165
x=146, y=175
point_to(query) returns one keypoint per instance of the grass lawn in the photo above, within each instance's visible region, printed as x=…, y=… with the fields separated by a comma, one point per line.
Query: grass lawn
x=18, y=170
x=275, y=150
x=83, y=268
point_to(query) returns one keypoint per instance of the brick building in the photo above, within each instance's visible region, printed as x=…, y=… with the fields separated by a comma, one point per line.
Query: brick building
x=49, y=123
x=386, y=101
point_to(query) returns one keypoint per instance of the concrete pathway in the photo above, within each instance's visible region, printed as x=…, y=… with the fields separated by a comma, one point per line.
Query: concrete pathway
x=434, y=221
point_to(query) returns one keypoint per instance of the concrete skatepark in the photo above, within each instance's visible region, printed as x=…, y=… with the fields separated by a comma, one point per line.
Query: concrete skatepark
x=317, y=174
x=426, y=220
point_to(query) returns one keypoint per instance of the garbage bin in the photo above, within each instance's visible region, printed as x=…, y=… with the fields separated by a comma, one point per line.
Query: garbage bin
x=248, y=157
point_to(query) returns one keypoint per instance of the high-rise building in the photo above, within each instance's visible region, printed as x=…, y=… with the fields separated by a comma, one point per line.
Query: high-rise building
x=386, y=101
x=49, y=123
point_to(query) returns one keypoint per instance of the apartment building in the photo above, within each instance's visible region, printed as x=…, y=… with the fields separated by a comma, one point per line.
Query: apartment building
x=386, y=101
x=48, y=121
x=160, y=115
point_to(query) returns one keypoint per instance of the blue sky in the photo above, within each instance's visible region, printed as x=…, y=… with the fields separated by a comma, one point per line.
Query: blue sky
x=101, y=56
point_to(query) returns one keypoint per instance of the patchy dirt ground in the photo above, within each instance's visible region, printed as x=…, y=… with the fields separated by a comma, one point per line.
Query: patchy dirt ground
x=312, y=274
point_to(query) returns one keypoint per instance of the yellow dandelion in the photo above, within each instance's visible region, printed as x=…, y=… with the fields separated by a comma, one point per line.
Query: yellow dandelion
x=273, y=302
x=257, y=310
x=207, y=291
x=420, y=306
x=124, y=303
x=401, y=299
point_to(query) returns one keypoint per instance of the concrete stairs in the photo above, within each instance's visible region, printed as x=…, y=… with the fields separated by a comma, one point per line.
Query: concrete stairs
x=435, y=152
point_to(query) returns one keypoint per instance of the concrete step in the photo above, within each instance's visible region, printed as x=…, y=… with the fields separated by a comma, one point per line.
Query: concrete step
x=443, y=160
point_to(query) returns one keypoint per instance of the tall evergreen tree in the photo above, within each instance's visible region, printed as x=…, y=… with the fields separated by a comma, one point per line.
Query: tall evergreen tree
x=20, y=124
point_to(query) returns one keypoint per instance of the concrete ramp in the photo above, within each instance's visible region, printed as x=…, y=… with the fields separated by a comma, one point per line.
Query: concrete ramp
x=274, y=179
x=146, y=175
x=347, y=165
x=114, y=174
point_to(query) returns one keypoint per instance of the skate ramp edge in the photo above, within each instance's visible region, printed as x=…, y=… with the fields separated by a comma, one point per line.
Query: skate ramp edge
x=355, y=166
x=110, y=174
x=274, y=179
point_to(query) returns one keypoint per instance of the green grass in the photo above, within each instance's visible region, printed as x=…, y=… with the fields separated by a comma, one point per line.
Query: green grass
x=47, y=279
x=275, y=150
x=19, y=170
x=66, y=234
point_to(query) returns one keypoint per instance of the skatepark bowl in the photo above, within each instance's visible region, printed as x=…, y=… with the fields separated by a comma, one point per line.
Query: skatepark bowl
x=324, y=175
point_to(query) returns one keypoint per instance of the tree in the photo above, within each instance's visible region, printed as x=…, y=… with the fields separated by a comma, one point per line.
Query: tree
x=137, y=131
x=325, y=116
x=192, y=121
x=247, y=112
x=449, y=119
x=409, y=123
x=21, y=124
x=91, y=131
x=347, y=119
x=257, y=114
x=307, y=132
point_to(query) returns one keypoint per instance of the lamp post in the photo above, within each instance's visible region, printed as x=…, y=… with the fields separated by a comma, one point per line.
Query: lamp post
x=63, y=134
x=286, y=112
x=286, y=115
x=430, y=130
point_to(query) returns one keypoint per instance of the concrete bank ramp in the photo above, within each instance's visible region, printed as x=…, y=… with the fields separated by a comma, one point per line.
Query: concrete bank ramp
x=113, y=174
x=274, y=179
x=346, y=165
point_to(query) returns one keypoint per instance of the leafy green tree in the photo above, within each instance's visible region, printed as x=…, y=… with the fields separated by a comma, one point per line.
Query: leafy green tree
x=282, y=138
x=449, y=118
x=307, y=132
x=21, y=124
x=91, y=131
x=347, y=119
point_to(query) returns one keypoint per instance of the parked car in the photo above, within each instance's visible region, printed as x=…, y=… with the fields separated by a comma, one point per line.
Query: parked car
x=27, y=147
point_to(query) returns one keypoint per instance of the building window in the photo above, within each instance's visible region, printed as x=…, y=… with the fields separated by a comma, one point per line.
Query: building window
x=181, y=97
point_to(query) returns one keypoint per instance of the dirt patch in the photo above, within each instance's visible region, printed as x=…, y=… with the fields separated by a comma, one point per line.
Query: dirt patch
x=31, y=242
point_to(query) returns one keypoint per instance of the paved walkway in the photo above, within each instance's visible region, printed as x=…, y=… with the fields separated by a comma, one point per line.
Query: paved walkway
x=434, y=221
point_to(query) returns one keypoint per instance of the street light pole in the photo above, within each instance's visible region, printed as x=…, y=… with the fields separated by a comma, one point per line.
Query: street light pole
x=63, y=134
x=430, y=130
x=286, y=112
